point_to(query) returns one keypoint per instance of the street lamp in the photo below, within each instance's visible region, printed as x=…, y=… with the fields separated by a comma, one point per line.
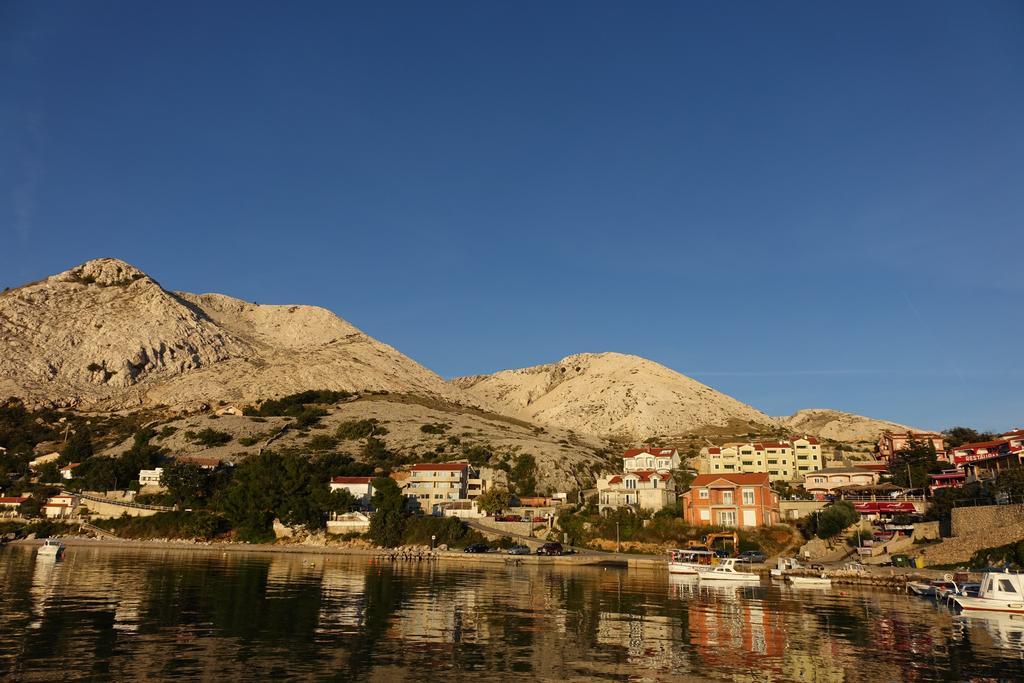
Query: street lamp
x=433, y=539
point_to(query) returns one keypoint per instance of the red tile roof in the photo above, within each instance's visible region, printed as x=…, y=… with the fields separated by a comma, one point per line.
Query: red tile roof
x=14, y=499
x=760, y=478
x=773, y=444
x=351, y=480
x=714, y=451
x=632, y=452
x=982, y=444
x=442, y=467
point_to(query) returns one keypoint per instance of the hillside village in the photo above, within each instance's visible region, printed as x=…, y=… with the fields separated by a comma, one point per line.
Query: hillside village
x=137, y=411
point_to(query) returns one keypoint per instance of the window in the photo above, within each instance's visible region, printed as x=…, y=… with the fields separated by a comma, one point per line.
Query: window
x=631, y=483
x=1006, y=586
x=727, y=497
x=703, y=494
x=773, y=462
x=654, y=482
x=727, y=517
x=748, y=496
x=748, y=463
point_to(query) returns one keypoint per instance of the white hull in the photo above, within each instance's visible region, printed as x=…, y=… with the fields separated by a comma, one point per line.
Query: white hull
x=989, y=605
x=728, y=576
x=682, y=568
x=922, y=589
x=810, y=581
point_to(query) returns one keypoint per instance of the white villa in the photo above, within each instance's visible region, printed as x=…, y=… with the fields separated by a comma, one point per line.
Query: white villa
x=151, y=478
x=646, y=481
x=826, y=481
x=361, y=488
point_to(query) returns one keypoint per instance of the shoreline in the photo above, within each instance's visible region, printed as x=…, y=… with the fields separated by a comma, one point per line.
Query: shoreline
x=582, y=560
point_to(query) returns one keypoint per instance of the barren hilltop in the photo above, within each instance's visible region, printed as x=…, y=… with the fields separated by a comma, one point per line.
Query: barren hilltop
x=614, y=395
x=105, y=336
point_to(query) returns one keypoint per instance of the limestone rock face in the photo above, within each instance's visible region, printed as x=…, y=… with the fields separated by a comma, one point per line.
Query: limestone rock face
x=610, y=394
x=837, y=425
x=105, y=335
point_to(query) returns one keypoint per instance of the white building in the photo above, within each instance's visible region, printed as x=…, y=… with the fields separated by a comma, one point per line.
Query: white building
x=68, y=471
x=152, y=478
x=646, y=481
x=643, y=489
x=651, y=458
x=61, y=507
x=828, y=480
x=348, y=522
x=361, y=488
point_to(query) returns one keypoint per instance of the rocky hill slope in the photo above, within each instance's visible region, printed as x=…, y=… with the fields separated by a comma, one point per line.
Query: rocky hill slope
x=612, y=395
x=104, y=335
x=837, y=425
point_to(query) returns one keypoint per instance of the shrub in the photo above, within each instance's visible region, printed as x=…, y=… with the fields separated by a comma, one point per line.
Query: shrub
x=434, y=428
x=322, y=442
x=359, y=429
x=208, y=437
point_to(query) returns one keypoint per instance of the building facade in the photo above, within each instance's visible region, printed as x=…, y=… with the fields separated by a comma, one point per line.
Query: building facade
x=786, y=460
x=891, y=443
x=638, y=489
x=361, y=488
x=731, y=500
x=651, y=458
x=431, y=487
x=827, y=481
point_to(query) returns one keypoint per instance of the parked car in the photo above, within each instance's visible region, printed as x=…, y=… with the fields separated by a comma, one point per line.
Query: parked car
x=550, y=549
x=539, y=520
x=478, y=548
x=752, y=556
x=508, y=518
x=722, y=553
x=519, y=550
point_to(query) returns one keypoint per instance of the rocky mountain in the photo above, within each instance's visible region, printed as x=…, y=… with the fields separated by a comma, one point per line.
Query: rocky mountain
x=612, y=395
x=104, y=335
x=837, y=425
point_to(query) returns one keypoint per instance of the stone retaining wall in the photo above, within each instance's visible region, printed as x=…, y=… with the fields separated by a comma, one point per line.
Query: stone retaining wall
x=980, y=519
x=976, y=528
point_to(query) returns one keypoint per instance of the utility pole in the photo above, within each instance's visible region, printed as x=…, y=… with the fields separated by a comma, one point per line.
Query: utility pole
x=616, y=535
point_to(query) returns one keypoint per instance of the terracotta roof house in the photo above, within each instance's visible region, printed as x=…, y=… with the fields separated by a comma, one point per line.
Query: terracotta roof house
x=731, y=500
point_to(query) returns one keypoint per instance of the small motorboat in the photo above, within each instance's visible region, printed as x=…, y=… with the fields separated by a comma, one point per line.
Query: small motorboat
x=1000, y=592
x=725, y=570
x=783, y=565
x=52, y=548
x=922, y=589
x=689, y=561
x=810, y=581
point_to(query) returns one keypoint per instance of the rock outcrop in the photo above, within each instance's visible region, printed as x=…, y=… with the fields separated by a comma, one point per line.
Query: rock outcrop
x=613, y=395
x=837, y=425
x=104, y=335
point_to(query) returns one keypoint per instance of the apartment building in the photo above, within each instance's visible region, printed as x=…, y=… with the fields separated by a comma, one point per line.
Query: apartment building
x=787, y=460
x=431, y=486
x=732, y=500
x=891, y=443
x=828, y=481
x=643, y=489
x=650, y=458
x=361, y=488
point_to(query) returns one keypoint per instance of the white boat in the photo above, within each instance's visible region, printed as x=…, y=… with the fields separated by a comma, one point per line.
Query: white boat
x=783, y=565
x=1001, y=592
x=52, y=547
x=925, y=590
x=810, y=581
x=725, y=570
x=689, y=561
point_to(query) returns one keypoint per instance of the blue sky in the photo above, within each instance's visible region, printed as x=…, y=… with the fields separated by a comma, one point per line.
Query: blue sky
x=800, y=204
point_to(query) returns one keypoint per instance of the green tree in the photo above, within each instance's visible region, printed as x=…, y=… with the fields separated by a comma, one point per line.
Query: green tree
x=911, y=466
x=78, y=447
x=187, y=484
x=387, y=525
x=494, y=500
x=835, y=518
x=523, y=475
x=272, y=485
x=958, y=436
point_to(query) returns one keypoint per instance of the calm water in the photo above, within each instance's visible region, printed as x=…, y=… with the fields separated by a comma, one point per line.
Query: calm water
x=154, y=615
